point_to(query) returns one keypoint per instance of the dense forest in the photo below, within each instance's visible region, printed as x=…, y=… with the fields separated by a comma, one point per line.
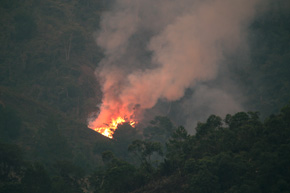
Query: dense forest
x=239, y=153
x=48, y=88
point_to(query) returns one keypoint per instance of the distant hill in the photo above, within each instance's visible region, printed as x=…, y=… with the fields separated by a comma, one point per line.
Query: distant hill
x=47, y=82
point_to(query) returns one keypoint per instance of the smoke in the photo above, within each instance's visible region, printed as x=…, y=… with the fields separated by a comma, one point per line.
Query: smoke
x=206, y=101
x=156, y=49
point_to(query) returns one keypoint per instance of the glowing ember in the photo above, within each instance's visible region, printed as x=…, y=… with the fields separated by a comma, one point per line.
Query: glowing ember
x=109, y=129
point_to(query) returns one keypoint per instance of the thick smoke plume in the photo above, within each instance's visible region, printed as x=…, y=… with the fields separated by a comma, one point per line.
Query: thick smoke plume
x=156, y=49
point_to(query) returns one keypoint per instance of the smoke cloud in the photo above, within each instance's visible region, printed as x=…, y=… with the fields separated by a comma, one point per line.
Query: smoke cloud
x=156, y=49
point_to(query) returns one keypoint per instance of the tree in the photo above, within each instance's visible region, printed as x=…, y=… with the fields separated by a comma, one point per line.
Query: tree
x=10, y=123
x=204, y=182
x=36, y=179
x=11, y=164
x=213, y=123
x=160, y=129
x=177, y=148
x=123, y=137
x=68, y=178
x=143, y=150
x=51, y=142
x=116, y=176
x=25, y=26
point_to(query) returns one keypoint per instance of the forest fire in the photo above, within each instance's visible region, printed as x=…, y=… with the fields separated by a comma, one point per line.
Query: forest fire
x=111, y=114
x=109, y=128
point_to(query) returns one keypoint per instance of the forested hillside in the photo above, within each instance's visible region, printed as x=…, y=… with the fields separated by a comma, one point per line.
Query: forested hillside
x=236, y=154
x=47, y=82
x=239, y=153
x=48, y=87
x=48, y=53
x=266, y=77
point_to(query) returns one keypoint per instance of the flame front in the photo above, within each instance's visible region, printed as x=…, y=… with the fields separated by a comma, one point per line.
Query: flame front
x=109, y=129
x=112, y=113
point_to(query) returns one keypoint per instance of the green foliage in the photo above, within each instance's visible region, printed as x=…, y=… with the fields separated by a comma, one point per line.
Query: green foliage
x=49, y=56
x=47, y=62
x=68, y=178
x=10, y=123
x=52, y=144
x=8, y=4
x=176, y=146
x=19, y=176
x=144, y=150
x=108, y=157
x=204, y=182
x=239, y=154
x=103, y=146
x=25, y=26
x=212, y=123
x=160, y=129
x=116, y=176
x=123, y=137
x=10, y=162
x=266, y=78
x=36, y=179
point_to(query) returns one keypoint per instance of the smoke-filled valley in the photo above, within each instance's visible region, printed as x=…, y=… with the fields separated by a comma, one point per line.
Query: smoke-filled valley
x=193, y=94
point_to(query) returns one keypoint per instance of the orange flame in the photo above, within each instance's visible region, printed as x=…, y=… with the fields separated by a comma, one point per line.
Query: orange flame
x=112, y=113
x=110, y=128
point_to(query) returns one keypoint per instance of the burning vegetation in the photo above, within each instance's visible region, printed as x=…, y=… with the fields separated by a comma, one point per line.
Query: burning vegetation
x=109, y=128
x=166, y=65
x=110, y=116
